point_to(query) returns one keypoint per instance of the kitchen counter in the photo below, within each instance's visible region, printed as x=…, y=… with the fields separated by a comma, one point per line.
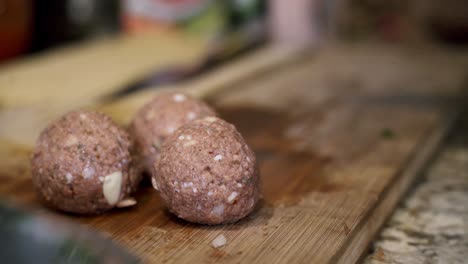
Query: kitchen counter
x=431, y=223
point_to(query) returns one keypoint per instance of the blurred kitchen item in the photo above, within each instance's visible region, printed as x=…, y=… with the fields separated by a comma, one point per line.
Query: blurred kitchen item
x=15, y=27
x=28, y=238
x=61, y=21
x=448, y=21
x=292, y=22
x=207, y=18
x=303, y=22
x=238, y=29
x=226, y=48
x=242, y=12
x=204, y=16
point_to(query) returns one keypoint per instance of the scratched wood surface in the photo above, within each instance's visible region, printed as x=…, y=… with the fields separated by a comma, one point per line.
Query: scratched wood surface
x=339, y=136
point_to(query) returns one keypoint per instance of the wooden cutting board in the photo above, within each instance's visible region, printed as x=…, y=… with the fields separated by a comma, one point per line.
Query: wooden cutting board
x=339, y=137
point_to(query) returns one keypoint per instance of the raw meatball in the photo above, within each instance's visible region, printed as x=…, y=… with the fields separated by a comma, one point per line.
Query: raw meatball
x=207, y=174
x=159, y=118
x=83, y=164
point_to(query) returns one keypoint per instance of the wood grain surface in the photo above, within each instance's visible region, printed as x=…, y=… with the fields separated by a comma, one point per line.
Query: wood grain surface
x=339, y=137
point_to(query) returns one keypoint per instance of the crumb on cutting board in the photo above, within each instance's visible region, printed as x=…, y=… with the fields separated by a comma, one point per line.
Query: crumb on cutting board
x=219, y=241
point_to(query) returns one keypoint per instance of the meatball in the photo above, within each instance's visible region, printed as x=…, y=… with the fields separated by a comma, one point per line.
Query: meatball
x=159, y=118
x=207, y=174
x=83, y=164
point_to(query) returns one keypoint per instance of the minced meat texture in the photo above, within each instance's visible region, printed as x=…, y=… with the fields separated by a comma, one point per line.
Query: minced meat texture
x=207, y=174
x=159, y=118
x=73, y=156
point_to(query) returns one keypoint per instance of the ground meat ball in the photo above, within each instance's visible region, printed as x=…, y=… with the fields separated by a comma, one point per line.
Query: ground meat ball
x=159, y=118
x=83, y=164
x=207, y=174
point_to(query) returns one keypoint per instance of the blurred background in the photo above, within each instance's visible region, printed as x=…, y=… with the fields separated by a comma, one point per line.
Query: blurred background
x=29, y=26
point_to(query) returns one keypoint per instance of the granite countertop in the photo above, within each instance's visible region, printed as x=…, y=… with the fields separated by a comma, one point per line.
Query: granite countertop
x=431, y=223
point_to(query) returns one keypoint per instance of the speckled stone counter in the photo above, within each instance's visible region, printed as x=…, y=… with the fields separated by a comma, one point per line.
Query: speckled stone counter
x=431, y=223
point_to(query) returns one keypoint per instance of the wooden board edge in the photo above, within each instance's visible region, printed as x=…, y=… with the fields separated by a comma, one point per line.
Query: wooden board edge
x=255, y=65
x=363, y=235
